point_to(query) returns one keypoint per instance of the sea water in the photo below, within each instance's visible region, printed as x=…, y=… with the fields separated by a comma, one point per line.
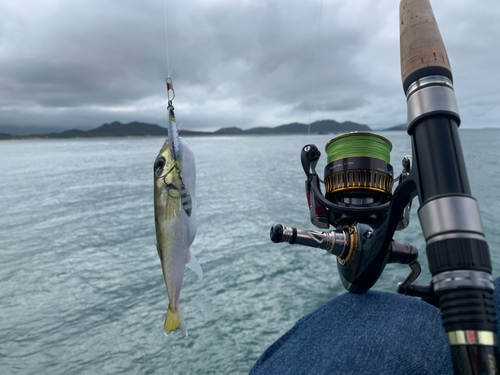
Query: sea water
x=81, y=287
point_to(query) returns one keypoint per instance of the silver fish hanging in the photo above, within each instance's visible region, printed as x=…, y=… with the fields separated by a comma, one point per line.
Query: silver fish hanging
x=175, y=218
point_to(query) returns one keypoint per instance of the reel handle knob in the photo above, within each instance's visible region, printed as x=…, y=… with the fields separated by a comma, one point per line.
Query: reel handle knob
x=276, y=233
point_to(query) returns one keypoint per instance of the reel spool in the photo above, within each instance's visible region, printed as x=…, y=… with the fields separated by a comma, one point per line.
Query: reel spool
x=358, y=170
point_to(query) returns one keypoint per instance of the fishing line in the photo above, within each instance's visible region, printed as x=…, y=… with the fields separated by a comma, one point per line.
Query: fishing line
x=314, y=71
x=166, y=37
x=168, y=80
x=359, y=144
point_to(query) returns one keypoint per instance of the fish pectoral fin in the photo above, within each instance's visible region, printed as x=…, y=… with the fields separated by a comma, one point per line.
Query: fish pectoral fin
x=173, y=208
x=195, y=265
x=158, y=250
x=174, y=321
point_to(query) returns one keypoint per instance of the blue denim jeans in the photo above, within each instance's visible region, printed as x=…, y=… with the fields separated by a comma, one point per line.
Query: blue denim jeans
x=371, y=333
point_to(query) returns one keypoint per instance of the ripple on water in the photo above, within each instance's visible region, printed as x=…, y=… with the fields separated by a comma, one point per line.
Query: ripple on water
x=81, y=287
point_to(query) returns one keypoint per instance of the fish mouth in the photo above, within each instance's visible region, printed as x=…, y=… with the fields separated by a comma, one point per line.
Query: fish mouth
x=170, y=186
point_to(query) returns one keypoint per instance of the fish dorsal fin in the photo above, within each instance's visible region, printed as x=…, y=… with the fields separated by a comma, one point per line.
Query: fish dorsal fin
x=195, y=266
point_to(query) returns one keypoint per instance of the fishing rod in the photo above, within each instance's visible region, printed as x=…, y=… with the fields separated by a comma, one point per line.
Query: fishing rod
x=365, y=211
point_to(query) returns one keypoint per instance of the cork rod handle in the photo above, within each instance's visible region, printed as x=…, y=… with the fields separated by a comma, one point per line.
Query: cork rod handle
x=422, y=49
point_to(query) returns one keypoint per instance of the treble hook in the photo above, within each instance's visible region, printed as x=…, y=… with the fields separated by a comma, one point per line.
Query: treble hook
x=163, y=177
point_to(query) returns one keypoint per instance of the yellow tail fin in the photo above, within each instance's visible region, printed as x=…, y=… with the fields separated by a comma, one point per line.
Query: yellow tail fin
x=174, y=321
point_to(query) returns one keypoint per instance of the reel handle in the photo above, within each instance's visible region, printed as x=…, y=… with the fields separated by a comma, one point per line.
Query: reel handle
x=335, y=242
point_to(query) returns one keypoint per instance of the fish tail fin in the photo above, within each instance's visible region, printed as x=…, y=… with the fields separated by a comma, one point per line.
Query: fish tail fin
x=173, y=321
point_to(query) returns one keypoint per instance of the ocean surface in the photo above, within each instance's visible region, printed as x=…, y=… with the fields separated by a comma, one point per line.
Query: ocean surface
x=81, y=287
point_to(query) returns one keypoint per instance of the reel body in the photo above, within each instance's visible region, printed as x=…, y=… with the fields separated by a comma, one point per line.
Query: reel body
x=359, y=203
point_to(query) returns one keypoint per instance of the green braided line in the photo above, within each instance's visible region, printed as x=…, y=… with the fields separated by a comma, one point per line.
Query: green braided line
x=359, y=145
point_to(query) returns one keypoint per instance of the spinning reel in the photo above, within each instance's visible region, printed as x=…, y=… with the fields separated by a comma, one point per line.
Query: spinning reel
x=360, y=205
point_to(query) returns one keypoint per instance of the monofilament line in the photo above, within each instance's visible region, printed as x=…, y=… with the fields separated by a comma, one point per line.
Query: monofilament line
x=314, y=71
x=166, y=36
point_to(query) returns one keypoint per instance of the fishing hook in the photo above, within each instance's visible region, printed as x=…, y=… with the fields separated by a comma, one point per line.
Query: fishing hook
x=168, y=172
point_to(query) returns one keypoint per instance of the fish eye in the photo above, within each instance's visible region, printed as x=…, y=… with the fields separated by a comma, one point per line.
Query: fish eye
x=159, y=164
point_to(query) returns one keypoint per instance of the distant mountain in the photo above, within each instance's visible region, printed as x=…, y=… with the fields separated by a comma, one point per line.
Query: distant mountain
x=323, y=126
x=141, y=129
x=232, y=130
x=27, y=130
x=5, y=136
x=114, y=129
x=398, y=127
x=117, y=129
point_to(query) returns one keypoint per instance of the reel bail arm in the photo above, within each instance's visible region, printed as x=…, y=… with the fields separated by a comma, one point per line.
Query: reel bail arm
x=309, y=157
x=405, y=253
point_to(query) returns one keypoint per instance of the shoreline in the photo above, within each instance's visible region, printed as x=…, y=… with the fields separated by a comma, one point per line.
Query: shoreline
x=41, y=137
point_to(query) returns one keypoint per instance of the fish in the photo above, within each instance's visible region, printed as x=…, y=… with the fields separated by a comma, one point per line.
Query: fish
x=175, y=219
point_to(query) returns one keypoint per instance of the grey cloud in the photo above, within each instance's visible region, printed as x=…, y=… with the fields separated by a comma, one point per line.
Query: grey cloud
x=241, y=64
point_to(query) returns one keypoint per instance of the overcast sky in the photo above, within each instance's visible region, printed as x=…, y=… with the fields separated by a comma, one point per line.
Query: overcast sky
x=78, y=64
